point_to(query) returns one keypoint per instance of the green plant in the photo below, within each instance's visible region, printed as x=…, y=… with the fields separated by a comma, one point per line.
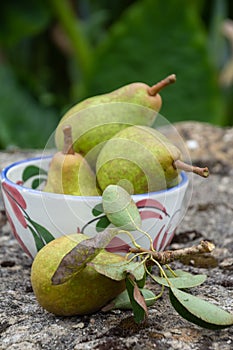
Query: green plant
x=134, y=272
x=55, y=54
x=75, y=258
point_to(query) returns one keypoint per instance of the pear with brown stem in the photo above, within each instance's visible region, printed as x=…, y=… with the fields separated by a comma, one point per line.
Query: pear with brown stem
x=142, y=158
x=69, y=172
x=97, y=119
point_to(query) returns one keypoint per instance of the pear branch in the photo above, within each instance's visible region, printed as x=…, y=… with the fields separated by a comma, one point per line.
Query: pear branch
x=153, y=90
x=178, y=164
x=68, y=141
x=168, y=256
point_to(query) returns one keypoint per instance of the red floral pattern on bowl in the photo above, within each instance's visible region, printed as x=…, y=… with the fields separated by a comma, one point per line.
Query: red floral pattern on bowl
x=37, y=217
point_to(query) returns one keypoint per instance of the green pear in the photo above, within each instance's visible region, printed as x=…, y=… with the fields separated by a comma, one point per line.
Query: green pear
x=69, y=172
x=96, y=119
x=145, y=158
x=85, y=292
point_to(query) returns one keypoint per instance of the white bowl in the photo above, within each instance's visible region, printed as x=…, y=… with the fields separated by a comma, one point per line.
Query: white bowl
x=36, y=217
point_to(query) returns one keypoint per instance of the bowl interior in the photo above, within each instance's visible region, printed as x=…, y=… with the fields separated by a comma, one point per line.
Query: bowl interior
x=32, y=174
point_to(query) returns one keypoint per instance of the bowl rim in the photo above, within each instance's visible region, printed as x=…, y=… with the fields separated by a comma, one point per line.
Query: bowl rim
x=4, y=178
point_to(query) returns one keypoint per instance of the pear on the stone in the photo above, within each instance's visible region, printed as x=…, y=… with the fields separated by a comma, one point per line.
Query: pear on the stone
x=98, y=118
x=85, y=292
x=145, y=158
x=69, y=172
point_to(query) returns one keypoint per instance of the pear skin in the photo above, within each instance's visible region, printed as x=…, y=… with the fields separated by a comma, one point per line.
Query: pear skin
x=96, y=119
x=84, y=293
x=136, y=93
x=70, y=173
x=143, y=157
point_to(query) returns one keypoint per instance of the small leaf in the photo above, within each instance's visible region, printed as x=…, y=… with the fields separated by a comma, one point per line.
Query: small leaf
x=101, y=240
x=122, y=301
x=120, y=208
x=85, y=251
x=32, y=170
x=102, y=224
x=199, y=311
x=182, y=282
x=118, y=271
x=141, y=282
x=136, y=299
x=98, y=209
x=178, y=273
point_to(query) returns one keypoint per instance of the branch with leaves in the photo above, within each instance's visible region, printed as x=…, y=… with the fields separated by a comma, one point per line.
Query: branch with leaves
x=166, y=257
x=135, y=269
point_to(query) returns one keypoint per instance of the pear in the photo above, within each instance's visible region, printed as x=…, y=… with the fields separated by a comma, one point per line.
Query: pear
x=85, y=292
x=98, y=118
x=145, y=158
x=69, y=172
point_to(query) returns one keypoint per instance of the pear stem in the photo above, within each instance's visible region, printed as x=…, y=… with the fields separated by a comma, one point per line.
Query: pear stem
x=68, y=141
x=153, y=90
x=178, y=164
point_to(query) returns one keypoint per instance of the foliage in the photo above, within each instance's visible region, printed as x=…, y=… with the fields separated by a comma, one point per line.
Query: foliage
x=168, y=47
x=56, y=53
x=190, y=307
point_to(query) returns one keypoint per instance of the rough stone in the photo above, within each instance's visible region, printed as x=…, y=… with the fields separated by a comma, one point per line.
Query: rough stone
x=209, y=215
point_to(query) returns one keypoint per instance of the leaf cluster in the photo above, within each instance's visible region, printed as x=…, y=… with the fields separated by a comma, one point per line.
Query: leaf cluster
x=134, y=270
x=56, y=53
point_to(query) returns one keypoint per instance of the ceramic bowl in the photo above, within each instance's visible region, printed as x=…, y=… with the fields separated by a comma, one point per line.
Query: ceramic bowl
x=37, y=217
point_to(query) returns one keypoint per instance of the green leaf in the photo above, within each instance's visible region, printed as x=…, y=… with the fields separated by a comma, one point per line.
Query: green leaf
x=85, y=251
x=136, y=299
x=32, y=170
x=122, y=301
x=102, y=224
x=199, y=311
x=183, y=281
x=177, y=273
x=118, y=271
x=141, y=282
x=19, y=111
x=165, y=39
x=98, y=209
x=120, y=208
x=24, y=19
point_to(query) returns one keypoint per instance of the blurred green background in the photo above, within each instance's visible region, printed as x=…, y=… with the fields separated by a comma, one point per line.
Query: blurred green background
x=55, y=53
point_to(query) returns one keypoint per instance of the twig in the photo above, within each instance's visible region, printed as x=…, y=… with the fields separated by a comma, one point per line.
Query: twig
x=178, y=164
x=170, y=255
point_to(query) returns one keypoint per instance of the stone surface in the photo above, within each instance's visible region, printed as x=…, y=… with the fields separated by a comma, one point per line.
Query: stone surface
x=25, y=325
